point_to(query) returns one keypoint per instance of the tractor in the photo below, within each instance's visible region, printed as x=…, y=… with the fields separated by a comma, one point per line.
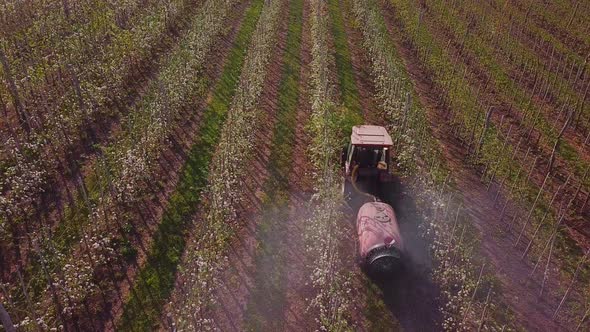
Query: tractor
x=365, y=161
x=366, y=168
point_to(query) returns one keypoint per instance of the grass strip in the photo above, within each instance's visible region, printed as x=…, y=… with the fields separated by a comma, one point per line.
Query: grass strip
x=350, y=96
x=268, y=296
x=194, y=295
x=156, y=278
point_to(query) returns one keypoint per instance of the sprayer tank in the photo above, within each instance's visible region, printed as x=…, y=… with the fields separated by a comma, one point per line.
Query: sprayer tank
x=380, y=242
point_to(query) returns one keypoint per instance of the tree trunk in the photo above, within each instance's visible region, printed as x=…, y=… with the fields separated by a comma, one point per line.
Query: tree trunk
x=18, y=106
x=552, y=159
x=569, y=22
x=569, y=288
x=66, y=5
x=485, y=128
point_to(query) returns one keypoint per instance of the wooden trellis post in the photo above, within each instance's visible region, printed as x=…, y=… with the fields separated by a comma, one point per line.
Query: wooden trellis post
x=485, y=310
x=569, y=288
x=485, y=127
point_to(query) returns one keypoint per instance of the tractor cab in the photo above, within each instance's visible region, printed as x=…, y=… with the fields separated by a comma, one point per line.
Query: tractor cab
x=367, y=156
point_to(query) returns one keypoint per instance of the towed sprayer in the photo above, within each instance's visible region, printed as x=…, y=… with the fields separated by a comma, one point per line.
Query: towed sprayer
x=366, y=161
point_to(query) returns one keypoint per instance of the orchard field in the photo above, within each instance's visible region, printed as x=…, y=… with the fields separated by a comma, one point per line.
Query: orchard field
x=175, y=164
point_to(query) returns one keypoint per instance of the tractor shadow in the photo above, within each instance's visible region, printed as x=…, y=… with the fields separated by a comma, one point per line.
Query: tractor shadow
x=411, y=296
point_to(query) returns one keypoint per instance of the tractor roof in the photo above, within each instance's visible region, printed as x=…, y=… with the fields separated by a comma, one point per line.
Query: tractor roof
x=370, y=135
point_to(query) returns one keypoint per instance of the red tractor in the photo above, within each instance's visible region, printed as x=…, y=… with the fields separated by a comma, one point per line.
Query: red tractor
x=366, y=168
x=366, y=160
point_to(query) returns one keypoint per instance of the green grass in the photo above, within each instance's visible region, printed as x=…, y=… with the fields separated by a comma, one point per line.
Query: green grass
x=156, y=279
x=350, y=97
x=519, y=96
x=69, y=230
x=375, y=310
x=269, y=293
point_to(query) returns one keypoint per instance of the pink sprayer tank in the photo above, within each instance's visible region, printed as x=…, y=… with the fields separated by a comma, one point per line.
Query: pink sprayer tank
x=378, y=232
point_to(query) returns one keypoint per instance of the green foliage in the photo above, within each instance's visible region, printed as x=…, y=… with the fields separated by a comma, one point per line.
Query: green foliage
x=204, y=260
x=349, y=93
x=453, y=261
x=128, y=252
x=379, y=318
x=468, y=114
x=84, y=49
